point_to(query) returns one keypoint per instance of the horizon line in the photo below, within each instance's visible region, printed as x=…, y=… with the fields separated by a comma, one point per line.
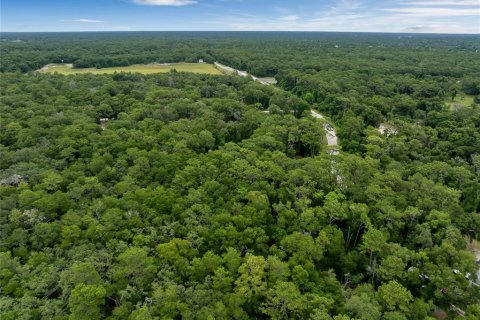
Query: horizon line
x=248, y=31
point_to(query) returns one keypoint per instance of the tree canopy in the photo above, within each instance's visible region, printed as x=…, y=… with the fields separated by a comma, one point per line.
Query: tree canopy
x=177, y=196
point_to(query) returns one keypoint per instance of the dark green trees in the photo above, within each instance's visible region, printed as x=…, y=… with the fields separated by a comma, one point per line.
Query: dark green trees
x=192, y=202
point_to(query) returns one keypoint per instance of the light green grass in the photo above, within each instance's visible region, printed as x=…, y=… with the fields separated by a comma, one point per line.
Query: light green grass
x=204, y=68
x=460, y=101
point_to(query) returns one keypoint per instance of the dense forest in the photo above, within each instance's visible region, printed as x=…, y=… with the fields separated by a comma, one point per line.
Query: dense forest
x=186, y=196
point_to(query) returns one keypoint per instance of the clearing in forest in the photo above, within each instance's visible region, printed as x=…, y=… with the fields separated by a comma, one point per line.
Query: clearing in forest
x=67, y=69
x=460, y=101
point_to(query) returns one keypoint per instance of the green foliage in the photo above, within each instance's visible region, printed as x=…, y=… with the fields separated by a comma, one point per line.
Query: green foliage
x=192, y=202
x=85, y=301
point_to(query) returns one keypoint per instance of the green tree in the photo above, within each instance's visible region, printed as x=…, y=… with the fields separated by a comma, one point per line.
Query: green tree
x=393, y=296
x=86, y=301
x=134, y=267
x=284, y=301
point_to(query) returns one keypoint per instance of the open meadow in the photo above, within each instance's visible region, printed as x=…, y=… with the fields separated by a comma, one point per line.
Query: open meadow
x=460, y=101
x=67, y=69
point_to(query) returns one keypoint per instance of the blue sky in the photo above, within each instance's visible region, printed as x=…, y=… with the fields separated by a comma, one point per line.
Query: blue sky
x=436, y=16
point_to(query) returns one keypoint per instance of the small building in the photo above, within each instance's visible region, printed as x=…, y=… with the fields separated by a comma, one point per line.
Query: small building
x=200, y=61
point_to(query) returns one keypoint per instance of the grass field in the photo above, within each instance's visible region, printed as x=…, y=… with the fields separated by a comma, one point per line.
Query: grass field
x=66, y=69
x=461, y=101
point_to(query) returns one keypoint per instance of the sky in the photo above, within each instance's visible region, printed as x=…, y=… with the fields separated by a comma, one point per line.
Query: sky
x=426, y=16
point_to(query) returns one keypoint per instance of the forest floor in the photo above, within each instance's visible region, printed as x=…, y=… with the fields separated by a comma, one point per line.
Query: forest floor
x=387, y=129
x=67, y=69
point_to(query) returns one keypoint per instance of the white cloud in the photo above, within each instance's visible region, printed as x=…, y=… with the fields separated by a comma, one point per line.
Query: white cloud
x=435, y=28
x=346, y=6
x=424, y=28
x=175, y=3
x=121, y=28
x=83, y=20
x=438, y=3
x=289, y=18
x=437, y=16
x=372, y=21
x=434, y=12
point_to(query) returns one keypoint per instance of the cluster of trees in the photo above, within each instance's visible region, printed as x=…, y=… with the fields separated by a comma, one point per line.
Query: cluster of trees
x=98, y=50
x=192, y=202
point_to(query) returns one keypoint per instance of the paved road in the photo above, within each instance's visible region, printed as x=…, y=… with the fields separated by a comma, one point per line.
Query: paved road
x=332, y=139
x=239, y=72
